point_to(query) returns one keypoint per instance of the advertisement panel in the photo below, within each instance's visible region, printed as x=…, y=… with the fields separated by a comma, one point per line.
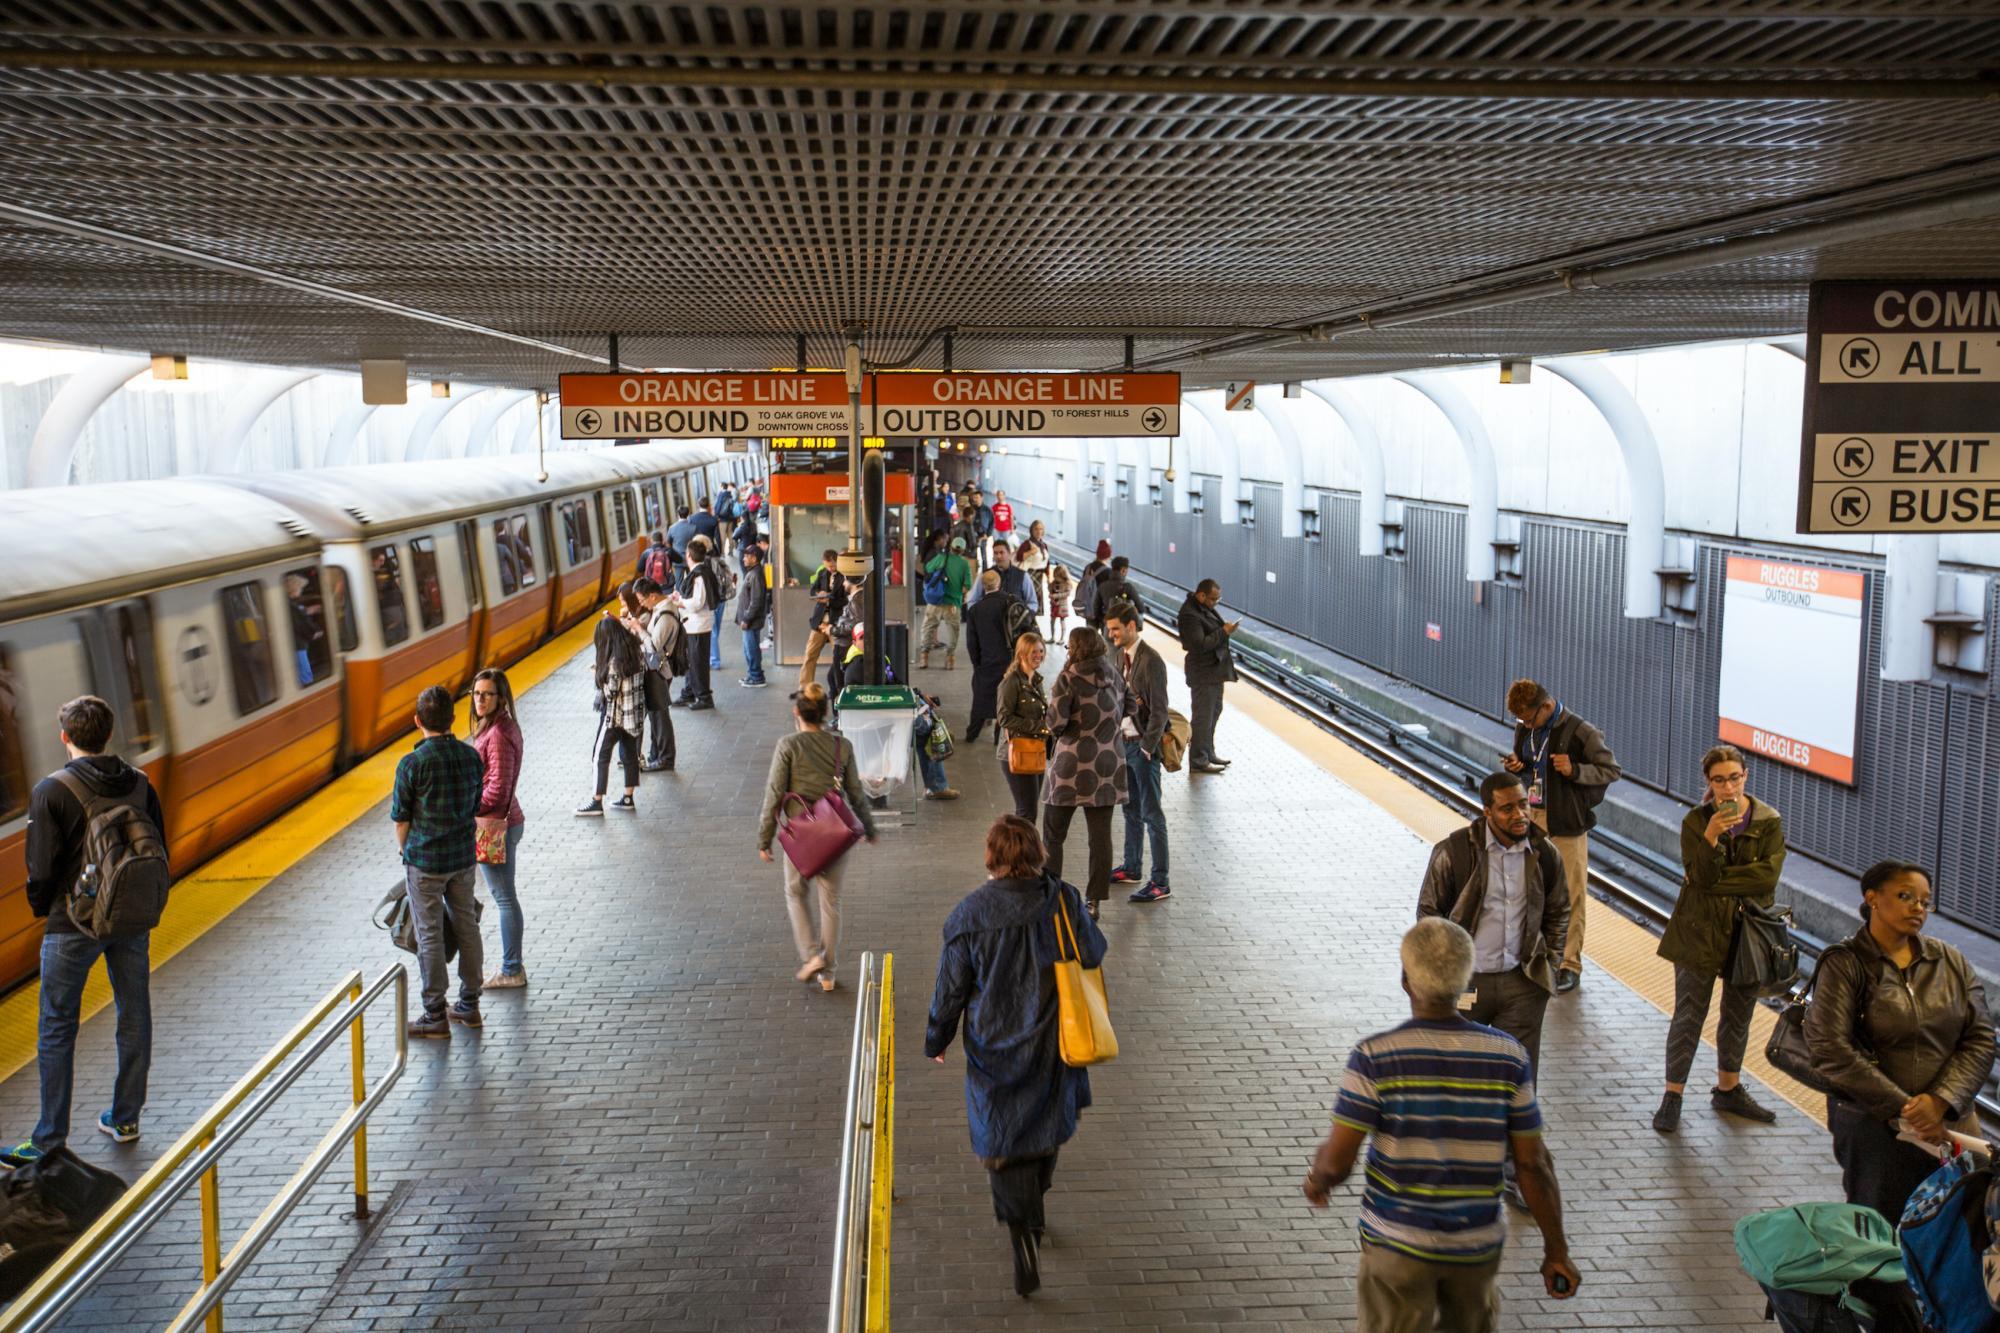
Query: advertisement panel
x=1791, y=663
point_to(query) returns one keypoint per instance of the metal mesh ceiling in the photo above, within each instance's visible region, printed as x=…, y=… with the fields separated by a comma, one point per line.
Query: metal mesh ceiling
x=709, y=225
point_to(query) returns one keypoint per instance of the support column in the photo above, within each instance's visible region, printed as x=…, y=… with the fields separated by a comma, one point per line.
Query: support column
x=1368, y=455
x=1907, y=642
x=1291, y=450
x=61, y=426
x=1231, y=454
x=1645, y=478
x=226, y=452
x=1482, y=511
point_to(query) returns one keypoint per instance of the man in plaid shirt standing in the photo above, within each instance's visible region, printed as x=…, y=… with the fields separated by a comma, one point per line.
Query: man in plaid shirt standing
x=437, y=791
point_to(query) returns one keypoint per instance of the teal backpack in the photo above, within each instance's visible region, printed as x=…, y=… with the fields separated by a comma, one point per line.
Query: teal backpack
x=1821, y=1248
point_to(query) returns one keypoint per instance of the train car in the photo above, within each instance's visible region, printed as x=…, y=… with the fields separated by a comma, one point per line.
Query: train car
x=255, y=634
x=199, y=613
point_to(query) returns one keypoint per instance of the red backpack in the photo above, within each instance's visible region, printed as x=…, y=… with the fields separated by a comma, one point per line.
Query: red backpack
x=660, y=566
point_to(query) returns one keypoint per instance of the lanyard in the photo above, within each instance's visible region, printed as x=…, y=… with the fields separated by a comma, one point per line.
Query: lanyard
x=1548, y=735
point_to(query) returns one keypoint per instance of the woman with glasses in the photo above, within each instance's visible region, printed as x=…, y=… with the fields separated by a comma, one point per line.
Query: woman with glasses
x=497, y=737
x=1732, y=848
x=1898, y=1028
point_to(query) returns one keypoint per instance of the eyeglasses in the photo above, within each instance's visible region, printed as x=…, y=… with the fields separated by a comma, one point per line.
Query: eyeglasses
x=1729, y=779
x=1909, y=899
x=486, y=694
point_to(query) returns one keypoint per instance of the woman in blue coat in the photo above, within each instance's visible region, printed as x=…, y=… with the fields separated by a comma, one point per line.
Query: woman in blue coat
x=1000, y=944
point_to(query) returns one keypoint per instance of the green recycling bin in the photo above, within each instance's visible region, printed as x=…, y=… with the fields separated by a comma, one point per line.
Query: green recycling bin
x=877, y=720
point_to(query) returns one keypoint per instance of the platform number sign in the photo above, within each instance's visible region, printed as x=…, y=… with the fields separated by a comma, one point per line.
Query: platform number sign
x=1902, y=408
x=1240, y=396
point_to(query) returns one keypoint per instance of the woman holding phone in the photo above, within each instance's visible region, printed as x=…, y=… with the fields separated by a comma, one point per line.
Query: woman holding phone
x=1732, y=848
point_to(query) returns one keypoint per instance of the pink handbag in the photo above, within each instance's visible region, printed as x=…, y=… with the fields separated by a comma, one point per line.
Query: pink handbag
x=819, y=837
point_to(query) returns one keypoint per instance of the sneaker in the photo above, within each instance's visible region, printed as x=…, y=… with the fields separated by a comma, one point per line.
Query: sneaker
x=811, y=968
x=431, y=1025
x=942, y=794
x=1123, y=876
x=1091, y=907
x=1567, y=980
x=1738, y=1101
x=1668, y=1118
x=505, y=980
x=590, y=809
x=119, y=1133
x=656, y=766
x=750, y=684
x=625, y=804
x=1152, y=893
x=826, y=982
x=21, y=1154
x=702, y=706
x=465, y=1014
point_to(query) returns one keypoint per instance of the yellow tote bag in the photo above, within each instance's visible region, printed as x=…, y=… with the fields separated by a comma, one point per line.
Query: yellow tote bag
x=1087, y=1038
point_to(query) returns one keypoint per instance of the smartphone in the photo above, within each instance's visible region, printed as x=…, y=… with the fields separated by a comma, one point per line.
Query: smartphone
x=1729, y=807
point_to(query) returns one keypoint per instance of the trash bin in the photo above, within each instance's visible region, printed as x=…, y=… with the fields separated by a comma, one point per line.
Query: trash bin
x=877, y=720
x=896, y=650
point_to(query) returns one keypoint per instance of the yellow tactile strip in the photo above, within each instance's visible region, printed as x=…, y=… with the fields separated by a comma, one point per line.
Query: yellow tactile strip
x=1623, y=949
x=233, y=877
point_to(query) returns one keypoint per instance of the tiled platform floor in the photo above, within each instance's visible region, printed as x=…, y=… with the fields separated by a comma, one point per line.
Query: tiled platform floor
x=646, y=1137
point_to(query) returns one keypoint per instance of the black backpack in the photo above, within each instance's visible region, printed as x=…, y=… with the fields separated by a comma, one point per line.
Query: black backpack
x=122, y=890
x=1020, y=620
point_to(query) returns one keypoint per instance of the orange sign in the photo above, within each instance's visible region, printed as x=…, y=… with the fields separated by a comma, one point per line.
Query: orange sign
x=702, y=405
x=831, y=488
x=1057, y=404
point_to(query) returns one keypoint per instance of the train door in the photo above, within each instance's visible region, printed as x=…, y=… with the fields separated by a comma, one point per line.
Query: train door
x=43, y=664
x=125, y=662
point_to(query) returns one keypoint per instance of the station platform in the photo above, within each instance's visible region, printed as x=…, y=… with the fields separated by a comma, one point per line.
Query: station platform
x=646, y=1137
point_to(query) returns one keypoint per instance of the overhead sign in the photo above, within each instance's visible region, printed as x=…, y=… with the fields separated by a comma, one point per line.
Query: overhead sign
x=1055, y=405
x=1790, y=684
x=1240, y=396
x=699, y=406
x=1902, y=411
x=811, y=410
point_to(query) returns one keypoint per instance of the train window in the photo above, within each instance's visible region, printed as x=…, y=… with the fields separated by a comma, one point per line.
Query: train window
x=13, y=746
x=133, y=627
x=569, y=532
x=619, y=499
x=468, y=538
x=312, y=655
x=252, y=674
x=343, y=609
x=503, y=550
x=583, y=508
x=524, y=550
x=387, y=566
x=655, y=518
x=424, y=572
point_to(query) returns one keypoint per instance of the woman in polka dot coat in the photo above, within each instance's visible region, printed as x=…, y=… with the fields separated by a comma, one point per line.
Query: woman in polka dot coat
x=1086, y=758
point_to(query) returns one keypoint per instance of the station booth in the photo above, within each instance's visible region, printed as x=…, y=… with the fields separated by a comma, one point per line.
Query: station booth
x=808, y=497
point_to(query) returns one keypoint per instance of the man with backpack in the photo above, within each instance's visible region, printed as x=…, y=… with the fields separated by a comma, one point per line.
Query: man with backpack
x=947, y=579
x=97, y=870
x=656, y=562
x=1085, y=603
x=701, y=598
x=1114, y=586
x=1014, y=581
x=664, y=651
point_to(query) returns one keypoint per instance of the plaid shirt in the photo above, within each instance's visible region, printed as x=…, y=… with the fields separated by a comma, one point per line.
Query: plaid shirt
x=437, y=790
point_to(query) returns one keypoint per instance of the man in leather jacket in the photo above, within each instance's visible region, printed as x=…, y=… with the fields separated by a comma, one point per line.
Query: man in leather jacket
x=1564, y=763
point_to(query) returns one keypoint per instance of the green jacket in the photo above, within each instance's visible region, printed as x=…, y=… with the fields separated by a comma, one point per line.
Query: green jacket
x=807, y=762
x=957, y=574
x=1737, y=869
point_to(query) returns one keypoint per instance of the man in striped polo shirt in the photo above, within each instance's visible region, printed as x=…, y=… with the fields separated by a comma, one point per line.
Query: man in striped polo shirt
x=1442, y=1098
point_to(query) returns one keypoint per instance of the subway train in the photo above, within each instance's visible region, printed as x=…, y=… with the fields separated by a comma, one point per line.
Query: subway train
x=257, y=634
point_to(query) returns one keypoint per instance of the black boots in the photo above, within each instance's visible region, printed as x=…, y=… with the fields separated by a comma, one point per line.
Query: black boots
x=1027, y=1259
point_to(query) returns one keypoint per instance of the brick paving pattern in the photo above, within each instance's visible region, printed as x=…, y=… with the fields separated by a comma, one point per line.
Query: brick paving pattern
x=647, y=1136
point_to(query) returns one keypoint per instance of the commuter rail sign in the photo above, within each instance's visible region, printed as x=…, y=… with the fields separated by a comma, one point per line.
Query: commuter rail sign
x=703, y=405
x=694, y=406
x=1902, y=410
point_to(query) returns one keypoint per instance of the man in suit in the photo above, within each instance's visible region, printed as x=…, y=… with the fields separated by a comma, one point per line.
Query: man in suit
x=1205, y=639
x=1144, y=724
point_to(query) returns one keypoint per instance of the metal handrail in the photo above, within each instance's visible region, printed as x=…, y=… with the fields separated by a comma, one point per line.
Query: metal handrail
x=860, y=1299
x=194, y=1158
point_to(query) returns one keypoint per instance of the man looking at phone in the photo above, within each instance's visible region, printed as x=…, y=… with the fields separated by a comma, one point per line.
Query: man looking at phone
x=1205, y=639
x=1565, y=765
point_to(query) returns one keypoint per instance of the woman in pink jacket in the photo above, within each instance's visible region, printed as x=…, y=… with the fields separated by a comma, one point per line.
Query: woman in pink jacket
x=497, y=737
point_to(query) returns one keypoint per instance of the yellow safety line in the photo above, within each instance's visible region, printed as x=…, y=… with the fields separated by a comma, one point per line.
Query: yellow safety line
x=202, y=899
x=1623, y=949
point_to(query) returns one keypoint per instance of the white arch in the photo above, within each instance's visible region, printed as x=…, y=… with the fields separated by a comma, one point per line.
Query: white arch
x=1223, y=435
x=1482, y=512
x=61, y=426
x=484, y=441
x=1368, y=453
x=1645, y=478
x=225, y=452
x=344, y=443
x=417, y=444
x=1292, y=454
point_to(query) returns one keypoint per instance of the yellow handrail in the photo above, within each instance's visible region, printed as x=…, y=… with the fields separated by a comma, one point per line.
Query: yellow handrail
x=199, y=1150
x=881, y=1191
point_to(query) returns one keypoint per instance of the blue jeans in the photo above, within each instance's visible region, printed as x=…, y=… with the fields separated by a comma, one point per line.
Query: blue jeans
x=932, y=769
x=715, y=644
x=66, y=963
x=1143, y=813
x=500, y=887
x=753, y=654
